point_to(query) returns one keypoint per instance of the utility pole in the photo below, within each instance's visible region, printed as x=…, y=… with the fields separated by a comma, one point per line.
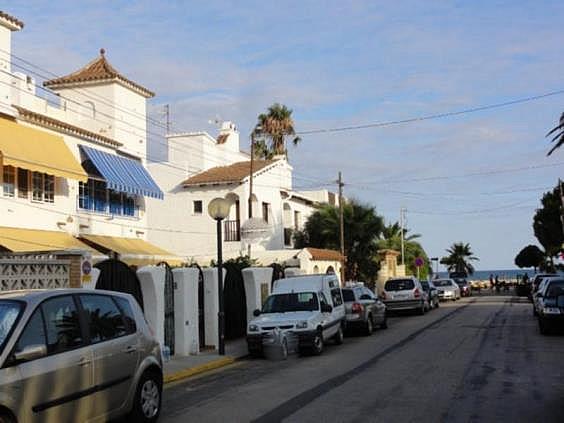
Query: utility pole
x=562, y=204
x=402, y=224
x=341, y=227
x=167, y=115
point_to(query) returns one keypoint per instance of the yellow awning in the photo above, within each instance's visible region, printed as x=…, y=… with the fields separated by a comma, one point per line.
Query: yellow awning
x=33, y=240
x=38, y=151
x=132, y=250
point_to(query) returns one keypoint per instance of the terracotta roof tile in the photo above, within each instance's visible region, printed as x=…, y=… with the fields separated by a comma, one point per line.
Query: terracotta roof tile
x=97, y=70
x=231, y=174
x=63, y=126
x=325, y=255
x=12, y=19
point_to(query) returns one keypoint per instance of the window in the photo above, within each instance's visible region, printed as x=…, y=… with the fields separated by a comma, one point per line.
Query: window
x=336, y=296
x=282, y=303
x=348, y=295
x=95, y=197
x=9, y=313
x=399, y=285
x=37, y=186
x=23, y=183
x=62, y=324
x=128, y=315
x=34, y=332
x=198, y=206
x=265, y=208
x=49, y=189
x=9, y=178
x=297, y=220
x=322, y=299
x=103, y=318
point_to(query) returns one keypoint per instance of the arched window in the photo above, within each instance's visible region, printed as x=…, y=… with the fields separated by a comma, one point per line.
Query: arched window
x=330, y=270
x=315, y=269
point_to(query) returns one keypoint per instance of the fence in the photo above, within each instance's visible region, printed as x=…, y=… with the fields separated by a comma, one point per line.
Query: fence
x=34, y=273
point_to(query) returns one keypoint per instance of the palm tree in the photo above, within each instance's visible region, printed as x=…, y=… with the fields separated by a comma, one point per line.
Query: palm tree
x=391, y=239
x=275, y=126
x=459, y=258
x=559, y=137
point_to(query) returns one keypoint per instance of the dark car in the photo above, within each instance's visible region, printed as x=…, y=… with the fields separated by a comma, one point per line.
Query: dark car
x=536, y=282
x=551, y=306
x=464, y=286
x=363, y=309
x=432, y=294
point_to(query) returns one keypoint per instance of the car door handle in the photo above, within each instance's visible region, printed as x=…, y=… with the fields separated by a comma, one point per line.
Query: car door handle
x=84, y=362
x=130, y=349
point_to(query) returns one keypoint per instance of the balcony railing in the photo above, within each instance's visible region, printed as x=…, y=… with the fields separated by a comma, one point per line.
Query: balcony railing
x=288, y=237
x=232, y=230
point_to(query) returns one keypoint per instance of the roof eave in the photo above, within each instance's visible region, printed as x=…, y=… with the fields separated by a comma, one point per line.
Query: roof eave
x=54, y=84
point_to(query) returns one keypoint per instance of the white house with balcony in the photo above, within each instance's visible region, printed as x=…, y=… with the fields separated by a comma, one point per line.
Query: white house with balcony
x=202, y=167
x=73, y=172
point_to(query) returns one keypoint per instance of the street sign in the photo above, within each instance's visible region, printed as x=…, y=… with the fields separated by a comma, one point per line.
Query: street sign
x=419, y=262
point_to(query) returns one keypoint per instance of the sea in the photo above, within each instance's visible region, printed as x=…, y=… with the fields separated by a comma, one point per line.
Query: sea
x=504, y=275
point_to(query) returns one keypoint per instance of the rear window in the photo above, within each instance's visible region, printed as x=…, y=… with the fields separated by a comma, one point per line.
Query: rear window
x=443, y=283
x=399, y=285
x=348, y=295
x=555, y=289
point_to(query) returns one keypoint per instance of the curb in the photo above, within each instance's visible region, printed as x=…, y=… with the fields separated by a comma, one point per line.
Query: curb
x=196, y=370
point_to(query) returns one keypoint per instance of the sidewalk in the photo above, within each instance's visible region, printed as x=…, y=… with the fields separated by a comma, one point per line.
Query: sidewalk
x=182, y=367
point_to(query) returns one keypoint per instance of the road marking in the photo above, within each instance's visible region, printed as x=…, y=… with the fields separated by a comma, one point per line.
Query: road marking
x=296, y=403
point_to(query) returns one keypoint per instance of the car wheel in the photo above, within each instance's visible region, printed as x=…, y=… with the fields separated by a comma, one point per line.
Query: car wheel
x=543, y=327
x=421, y=310
x=339, y=336
x=437, y=303
x=255, y=353
x=148, y=397
x=535, y=313
x=317, y=347
x=369, y=326
x=6, y=417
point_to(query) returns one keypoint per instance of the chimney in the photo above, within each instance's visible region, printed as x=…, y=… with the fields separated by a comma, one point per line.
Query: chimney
x=228, y=137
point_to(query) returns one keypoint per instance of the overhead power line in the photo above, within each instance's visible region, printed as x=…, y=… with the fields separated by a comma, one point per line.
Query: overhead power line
x=432, y=116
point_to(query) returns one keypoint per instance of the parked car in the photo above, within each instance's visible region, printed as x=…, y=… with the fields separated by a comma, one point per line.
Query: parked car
x=464, y=287
x=538, y=292
x=551, y=305
x=363, y=309
x=404, y=294
x=536, y=281
x=432, y=294
x=69, y=355
x=447, y=289
x=310, y=307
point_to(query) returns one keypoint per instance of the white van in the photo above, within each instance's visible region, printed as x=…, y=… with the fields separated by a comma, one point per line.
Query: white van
x=308, y=308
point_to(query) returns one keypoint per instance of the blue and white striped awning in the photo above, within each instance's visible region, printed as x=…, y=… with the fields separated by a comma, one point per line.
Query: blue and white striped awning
x=122, y=174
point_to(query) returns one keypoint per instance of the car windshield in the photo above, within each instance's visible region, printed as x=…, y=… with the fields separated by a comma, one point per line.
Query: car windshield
x=282, y=303
x=399, y=285
x=348, y=295
x=443, y=283
x=9, y=312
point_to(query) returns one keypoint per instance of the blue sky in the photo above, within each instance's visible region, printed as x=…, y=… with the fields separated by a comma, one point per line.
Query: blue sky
x=346, y=63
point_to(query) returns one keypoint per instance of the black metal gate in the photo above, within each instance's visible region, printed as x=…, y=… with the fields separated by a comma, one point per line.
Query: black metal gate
x=235, y=302
x=277, y=273
x=169, y=307
x=201, y=315
x=117, y=276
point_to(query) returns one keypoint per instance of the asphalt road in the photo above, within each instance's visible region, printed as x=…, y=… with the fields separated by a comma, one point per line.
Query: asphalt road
x=477, y=360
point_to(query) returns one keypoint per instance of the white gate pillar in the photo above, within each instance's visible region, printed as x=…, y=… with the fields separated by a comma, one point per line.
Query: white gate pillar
x=211, y=305
x=152, y=281
x=186, y=324
x=257, y=287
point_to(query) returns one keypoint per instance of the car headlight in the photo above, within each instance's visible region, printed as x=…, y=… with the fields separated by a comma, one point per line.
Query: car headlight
x=551, y=310
x=253, y=328
x=301, y=325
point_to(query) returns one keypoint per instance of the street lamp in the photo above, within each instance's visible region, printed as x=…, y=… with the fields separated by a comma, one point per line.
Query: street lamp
x=218, y=209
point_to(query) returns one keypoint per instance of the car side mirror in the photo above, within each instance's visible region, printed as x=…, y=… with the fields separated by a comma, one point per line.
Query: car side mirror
x=539, y=295
x=30, y=352
x=256, y=313
x=326, y=308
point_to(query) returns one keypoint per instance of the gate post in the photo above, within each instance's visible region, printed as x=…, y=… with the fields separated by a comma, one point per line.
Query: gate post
x=152, y=281
x=257, y=287
x=186, y=311
x=211, y=305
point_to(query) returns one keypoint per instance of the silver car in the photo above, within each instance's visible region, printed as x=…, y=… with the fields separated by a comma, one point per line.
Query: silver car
x=404, y=294
x=447, y=289
x=363, y=309
x=73, y=355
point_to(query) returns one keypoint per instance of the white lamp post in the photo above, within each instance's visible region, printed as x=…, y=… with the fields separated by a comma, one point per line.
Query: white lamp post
x=218, y=209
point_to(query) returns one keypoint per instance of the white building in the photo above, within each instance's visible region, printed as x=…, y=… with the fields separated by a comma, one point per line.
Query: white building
x=201, y=168
x=74, y=169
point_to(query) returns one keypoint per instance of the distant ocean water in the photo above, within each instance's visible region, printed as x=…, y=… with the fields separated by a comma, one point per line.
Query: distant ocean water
x=507, y=274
